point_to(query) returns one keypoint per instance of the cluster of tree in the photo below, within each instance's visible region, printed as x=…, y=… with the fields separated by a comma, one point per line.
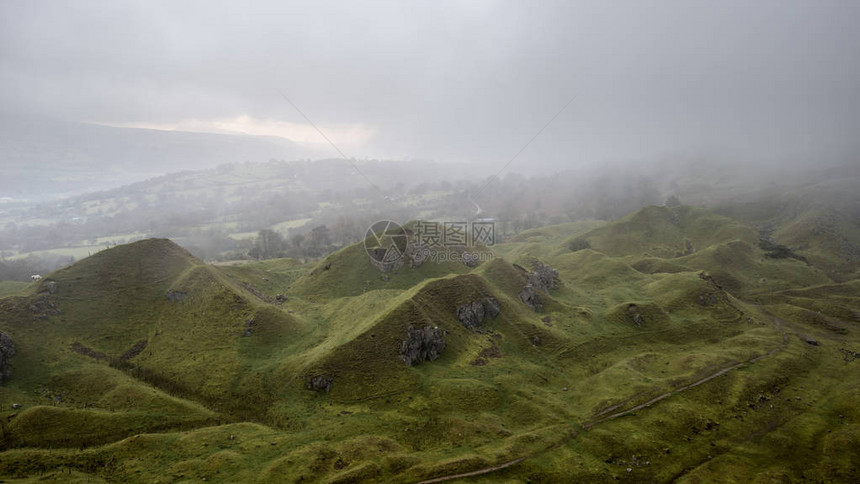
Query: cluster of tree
x=201, y=210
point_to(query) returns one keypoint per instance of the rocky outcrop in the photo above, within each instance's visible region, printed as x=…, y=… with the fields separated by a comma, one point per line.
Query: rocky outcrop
x=7, y=351
x=319, y=384
x=492, y=307
x=417, y=254
x=470, y=260
x=471, y=315
x=543, y=277
x=633, y=310
x=422, y=345
x=43, y=306
x=531, y=298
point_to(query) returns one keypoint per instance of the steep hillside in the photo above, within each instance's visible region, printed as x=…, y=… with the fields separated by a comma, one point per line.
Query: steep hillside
x=662, y=346
x=819, y=220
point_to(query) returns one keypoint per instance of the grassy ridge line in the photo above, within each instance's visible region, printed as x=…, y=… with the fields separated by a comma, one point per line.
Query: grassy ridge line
x=696, y=341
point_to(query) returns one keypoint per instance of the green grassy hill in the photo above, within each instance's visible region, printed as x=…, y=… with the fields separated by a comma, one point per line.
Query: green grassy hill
x=669, y=348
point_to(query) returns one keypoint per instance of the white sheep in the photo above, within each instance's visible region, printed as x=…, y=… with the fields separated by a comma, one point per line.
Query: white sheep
x=35, y=277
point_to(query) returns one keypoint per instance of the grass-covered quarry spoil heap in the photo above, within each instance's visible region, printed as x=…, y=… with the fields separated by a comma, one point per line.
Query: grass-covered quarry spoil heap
x=667, y=345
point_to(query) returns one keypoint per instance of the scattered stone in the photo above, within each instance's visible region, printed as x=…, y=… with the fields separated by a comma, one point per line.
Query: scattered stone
x=42, y=306
x=16, y=406
x=175, y=296
x=51, y=286
x=707, y=299
x=546, y=319
x=812, y=341
x=536, y=340
x=848, y=355
x=7, y=350
x=422, y=345
x=319, y=384
x=280, y=298
x=248, y=327
x=638, y=320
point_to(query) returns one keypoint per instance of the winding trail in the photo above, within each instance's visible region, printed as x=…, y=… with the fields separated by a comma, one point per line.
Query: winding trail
x=597, y=419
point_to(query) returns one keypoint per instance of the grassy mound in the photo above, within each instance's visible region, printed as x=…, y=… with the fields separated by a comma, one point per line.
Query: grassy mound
x=143, y=364
x=666, y=232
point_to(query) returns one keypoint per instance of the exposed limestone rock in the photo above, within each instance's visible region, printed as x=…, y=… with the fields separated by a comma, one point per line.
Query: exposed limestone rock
x=492, y=307
x=543, y=277
x=531, y=298
x=319, y=384
x=469, y=260
x=422, y=345
x=42, y=306
x=51, y=287
x=471, y=315
x=418, y=253
x=7, y=350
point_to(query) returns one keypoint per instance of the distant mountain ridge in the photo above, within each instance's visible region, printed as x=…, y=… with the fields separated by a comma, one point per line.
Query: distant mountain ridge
x=46, y=158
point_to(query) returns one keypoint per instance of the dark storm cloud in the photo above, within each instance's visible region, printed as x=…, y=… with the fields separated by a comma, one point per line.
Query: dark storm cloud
x=458, y=81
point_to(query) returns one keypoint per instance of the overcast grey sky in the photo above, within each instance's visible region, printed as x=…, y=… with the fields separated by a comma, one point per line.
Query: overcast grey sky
x=454, y=81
